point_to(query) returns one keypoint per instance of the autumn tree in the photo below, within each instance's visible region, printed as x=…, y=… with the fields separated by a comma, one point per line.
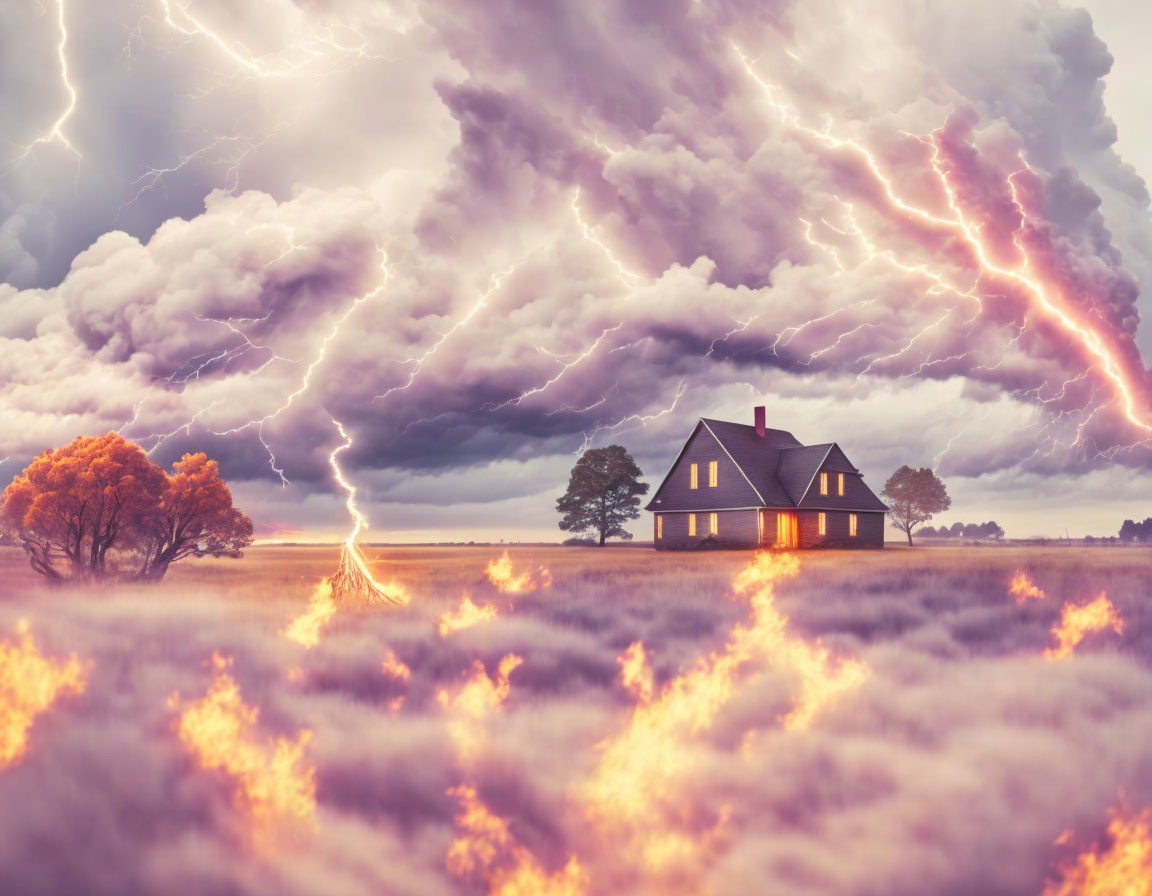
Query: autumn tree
x=193, y=518
x=74, y=508
x=913, y=497
x=72, y=505
x=603, y=493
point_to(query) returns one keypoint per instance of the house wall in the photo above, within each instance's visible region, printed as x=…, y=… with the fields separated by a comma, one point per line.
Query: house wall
x=732, y=489
x=869, y=530
x=737, y=530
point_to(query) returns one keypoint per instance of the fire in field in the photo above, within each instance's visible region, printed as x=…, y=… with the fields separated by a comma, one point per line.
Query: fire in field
x=895, y=722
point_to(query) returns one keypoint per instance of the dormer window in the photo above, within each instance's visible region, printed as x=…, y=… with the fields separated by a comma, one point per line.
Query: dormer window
x=823, y=483
x=713, y=473
x=840, y=484
x=694, y=476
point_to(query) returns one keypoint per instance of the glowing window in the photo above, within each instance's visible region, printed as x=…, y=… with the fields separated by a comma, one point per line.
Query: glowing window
x=823, y=483
x=692, y=521
x=714, y=523
x=840, y=484
x=659, y=526
x=852, y=524
x=713, y=473
x=694, y=481
x=823, y=523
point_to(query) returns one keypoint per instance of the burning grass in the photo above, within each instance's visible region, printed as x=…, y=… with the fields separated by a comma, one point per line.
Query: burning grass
x=498, y=757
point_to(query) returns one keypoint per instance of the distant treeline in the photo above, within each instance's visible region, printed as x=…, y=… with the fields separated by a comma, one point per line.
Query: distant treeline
x=1132, y=531
x=964, y=530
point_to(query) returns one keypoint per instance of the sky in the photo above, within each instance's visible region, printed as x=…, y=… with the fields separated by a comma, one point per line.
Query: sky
x=468, y=241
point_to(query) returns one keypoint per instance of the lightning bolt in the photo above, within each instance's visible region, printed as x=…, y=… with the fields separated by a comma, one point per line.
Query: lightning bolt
x=55, y=133
x=418, y=362
x=1024, y=276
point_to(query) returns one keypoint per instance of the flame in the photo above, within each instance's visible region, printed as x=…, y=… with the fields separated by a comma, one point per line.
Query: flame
x=1022, y=588
x=469, y=706
x=394, y=667
x=273, y=779
x=487, y=850
x=1123, y=869
x=305, y=628
x=500, y=574
x=30, y=683
x=1077, y=621
x=465, y=616
x=635, y=673
x=631, y=795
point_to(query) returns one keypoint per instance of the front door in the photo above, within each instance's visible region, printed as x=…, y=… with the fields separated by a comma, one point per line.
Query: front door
x=787, y=531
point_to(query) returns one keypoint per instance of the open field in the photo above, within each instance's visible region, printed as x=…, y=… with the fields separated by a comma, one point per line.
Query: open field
x=949, y=765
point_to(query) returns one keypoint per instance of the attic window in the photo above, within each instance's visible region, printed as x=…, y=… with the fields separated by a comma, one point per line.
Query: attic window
x=840, y=484
x=823, y=483
x=692, y=518
x=694, y=481
x=852, y=524
x=713, y=473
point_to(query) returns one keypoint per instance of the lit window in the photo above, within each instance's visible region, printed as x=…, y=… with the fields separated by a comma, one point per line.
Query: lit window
x=713, y=473
x=714, y=523
x=659, y=526
x=840, y=484
x=823, y=523
x=852, y=524
x=823, y=483
x=694, y=482
x=692, y=520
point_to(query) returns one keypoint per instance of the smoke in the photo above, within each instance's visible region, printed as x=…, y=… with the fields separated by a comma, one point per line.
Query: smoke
x=952, y=768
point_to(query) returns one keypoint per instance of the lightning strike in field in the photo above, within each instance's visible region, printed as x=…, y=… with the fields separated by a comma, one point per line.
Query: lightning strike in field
x=353, y=578
x=30, y=684
x=501, y=574
x=467, y=615
x=274, y=781
x=1023, y=589
x=1077, y=621
x=1121, y=868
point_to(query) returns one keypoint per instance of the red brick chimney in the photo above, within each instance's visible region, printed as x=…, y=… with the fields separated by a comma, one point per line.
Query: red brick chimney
x=758, y=411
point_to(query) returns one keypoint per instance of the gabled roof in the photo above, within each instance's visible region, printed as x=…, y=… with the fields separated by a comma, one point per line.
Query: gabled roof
x=798, y=467
x=756, y=457
x=780, y=470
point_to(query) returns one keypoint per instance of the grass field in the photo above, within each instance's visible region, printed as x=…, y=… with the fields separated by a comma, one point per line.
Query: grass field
x=951, y=766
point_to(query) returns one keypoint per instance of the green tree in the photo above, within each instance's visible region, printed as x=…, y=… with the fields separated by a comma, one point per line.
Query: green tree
x=913, y=496
x=603, y=493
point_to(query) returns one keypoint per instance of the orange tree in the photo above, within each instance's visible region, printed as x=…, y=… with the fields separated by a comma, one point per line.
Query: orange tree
x=194, y=518
x=74, y=508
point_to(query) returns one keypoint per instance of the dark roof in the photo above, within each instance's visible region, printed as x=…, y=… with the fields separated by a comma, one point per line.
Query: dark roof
x=798, y=467
x=756, y=457
x=779, y=468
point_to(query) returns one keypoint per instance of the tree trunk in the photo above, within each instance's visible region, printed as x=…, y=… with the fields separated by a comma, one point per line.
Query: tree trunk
x=601, y=538
x=909, y=533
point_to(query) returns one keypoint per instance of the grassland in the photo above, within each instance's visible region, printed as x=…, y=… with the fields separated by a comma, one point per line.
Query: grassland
x=951, y=769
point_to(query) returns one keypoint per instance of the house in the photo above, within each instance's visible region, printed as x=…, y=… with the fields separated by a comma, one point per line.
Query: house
x=734, y=485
